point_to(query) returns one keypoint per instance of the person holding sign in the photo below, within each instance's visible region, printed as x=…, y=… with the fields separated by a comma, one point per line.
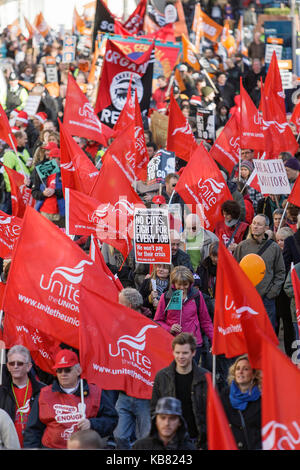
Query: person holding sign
x=155, y=285
x=47, y=188
x=186, y=312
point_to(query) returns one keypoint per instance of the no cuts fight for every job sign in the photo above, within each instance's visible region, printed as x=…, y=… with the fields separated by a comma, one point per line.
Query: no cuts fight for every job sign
x=152, y=236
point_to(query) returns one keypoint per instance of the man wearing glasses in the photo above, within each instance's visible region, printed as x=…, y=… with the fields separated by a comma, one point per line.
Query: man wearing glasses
x=19, y=388
x=60, y=411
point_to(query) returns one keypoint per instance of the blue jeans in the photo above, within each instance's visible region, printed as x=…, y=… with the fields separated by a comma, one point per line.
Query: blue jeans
x=270, y=307
x=134, y=420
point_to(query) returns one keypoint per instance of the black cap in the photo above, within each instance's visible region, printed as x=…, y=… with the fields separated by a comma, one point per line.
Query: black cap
x=13, y=76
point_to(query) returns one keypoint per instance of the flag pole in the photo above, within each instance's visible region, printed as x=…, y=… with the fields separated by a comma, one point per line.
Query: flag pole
x=214, y=363
x=284, y=212
x=82, y=399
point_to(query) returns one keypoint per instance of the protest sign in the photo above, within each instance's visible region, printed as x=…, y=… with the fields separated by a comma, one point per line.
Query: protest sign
x=175, y=301
x=69, y=49
x=32, y=104
x=47, y=168
x=272, y=176
x=51, y=74
x=206, y=125
x=152, y=236
x=160, y=166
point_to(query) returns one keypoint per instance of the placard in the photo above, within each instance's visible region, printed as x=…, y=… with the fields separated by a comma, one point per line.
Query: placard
x=272, y=177
x=47, y=168
x=51, y=74
x=206, y=125
x=69, y=49
x=32, y=104
x=160, y=166
x=270, y=48
x=152, y=236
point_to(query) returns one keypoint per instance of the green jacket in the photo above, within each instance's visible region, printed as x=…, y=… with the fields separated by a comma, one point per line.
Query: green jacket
x=17, y=163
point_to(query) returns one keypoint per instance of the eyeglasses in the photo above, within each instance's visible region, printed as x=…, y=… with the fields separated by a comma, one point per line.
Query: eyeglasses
x=66, y=370
x=173, y=185
x=16, y=363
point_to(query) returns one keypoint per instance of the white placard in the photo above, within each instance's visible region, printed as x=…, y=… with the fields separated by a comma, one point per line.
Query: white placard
x=272, y=177
x=270, y=48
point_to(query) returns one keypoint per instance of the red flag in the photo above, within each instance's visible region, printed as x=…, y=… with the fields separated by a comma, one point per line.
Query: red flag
x=77, y=170
x=97, y=257
x=80, y=118
x=226, y=148
x=252, y=135
x=280, y=400
x=129, y=147
x=111, y=223
x=295, y=117
x=202, y=184
x=219, y=434
x=6, y=133
x=128, y=112
x=135, y=23
x=43, y=348
x=51, y=267
x=294, y=196
x=10, y=228
x=278, y=134
x=20, y=193
x=180, y=138
x=296, y=288
x=117, y=71
x=120, y=349
x=273, y=84
x=235, y=295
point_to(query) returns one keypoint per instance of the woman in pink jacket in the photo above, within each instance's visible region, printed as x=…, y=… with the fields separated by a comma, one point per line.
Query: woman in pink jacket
x=193, y=315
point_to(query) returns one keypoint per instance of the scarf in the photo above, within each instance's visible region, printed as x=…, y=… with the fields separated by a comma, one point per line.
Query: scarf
x=240, y=400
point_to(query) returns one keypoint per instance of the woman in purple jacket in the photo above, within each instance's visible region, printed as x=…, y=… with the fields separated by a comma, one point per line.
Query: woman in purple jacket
x=193, y=315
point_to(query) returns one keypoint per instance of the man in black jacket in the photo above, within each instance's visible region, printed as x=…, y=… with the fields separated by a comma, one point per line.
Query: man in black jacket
x=184, y=380
x=19, y=387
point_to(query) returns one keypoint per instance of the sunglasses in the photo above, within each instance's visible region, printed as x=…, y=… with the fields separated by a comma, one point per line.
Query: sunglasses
x=66, y=370
x=16, y=363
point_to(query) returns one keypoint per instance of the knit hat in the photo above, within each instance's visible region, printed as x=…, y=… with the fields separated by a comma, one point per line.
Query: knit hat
x=247, y=164
x=65, y=358
x=207, y=90
x=168, y=406
x=42, y=117
x=22, y=116
x=195, y=100
x=292, y=163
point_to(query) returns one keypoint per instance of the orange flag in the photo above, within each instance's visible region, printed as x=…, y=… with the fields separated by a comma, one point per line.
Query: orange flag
x=41, y=25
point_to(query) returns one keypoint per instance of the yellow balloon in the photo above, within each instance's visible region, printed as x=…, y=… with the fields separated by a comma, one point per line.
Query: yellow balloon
x=254, y=267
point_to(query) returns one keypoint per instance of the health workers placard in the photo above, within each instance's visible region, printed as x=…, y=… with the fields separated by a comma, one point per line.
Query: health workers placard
x=272, y=177
x=152, y=236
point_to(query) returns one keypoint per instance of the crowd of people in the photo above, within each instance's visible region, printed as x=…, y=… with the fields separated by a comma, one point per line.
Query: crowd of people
x=267, y=225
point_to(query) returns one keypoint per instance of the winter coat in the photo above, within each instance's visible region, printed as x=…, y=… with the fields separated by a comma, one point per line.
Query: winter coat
x=191, y=320
x=248, y=437
x=274, y=277
x=7, y=400
x=164, y=386
x=181, y=440
x=291, y=250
